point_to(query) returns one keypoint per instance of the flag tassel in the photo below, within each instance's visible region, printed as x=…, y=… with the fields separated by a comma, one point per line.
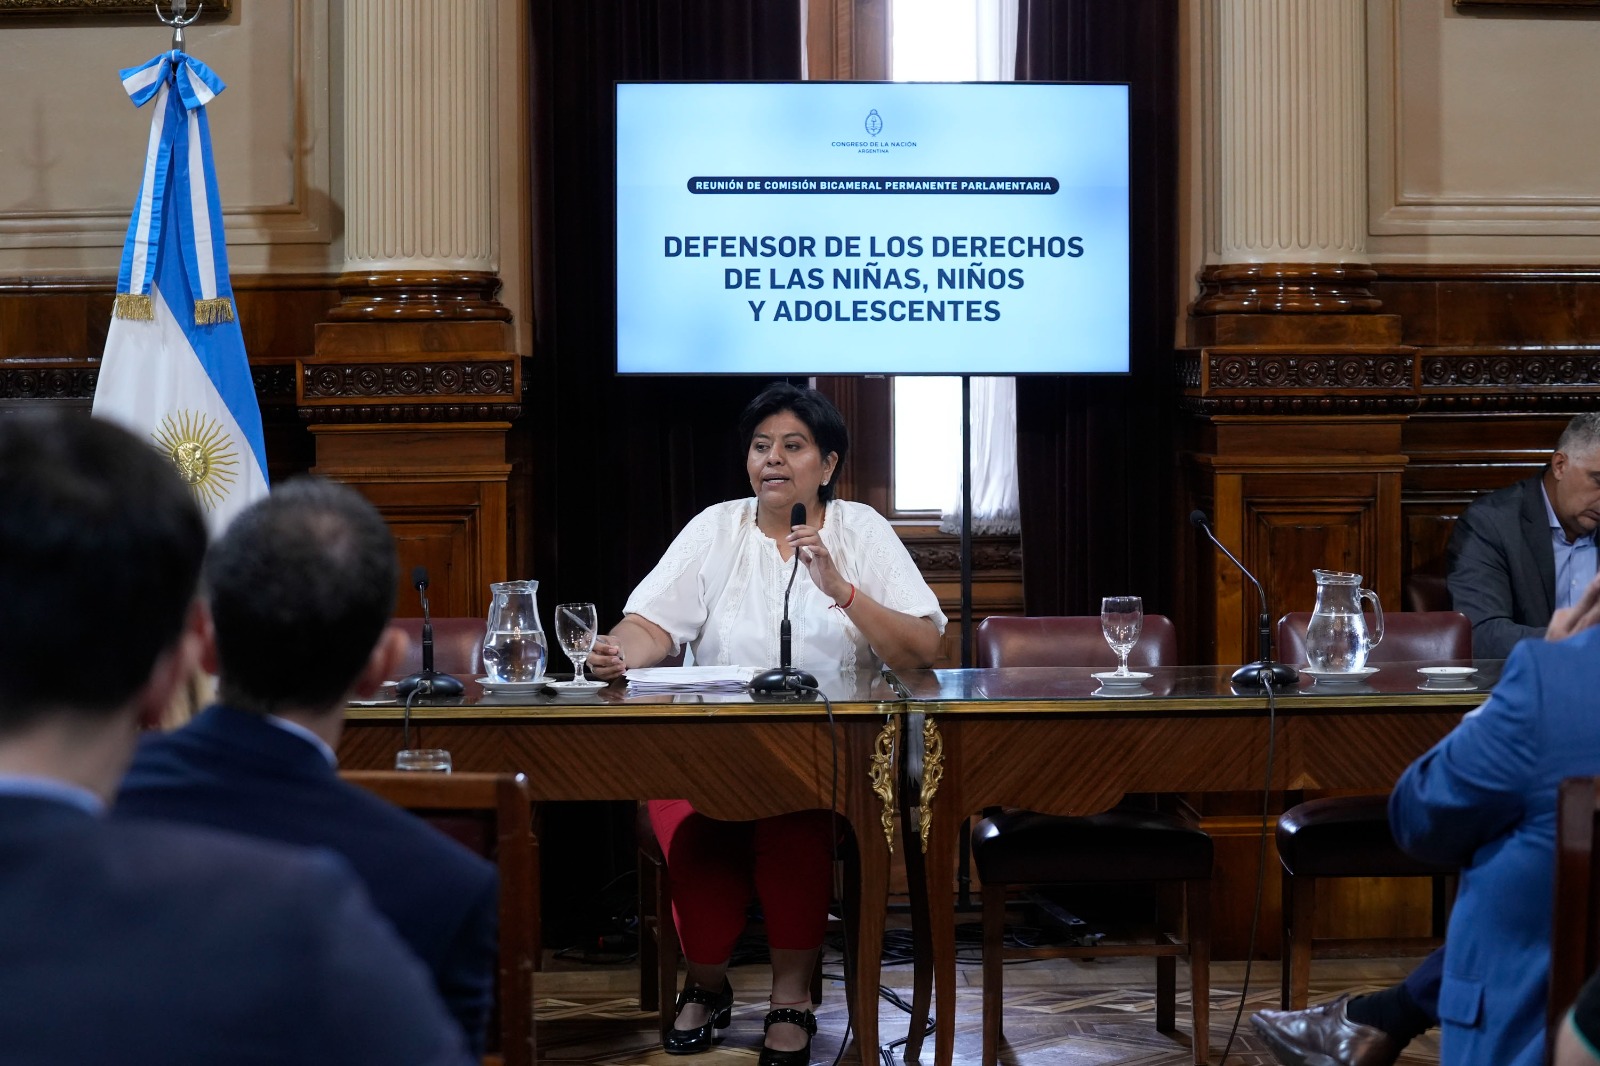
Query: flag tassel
x=210, y=312
x=135, y=306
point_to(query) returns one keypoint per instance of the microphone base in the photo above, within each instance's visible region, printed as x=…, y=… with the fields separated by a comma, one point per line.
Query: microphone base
x=429, y=686
x=1266, y=674
x=785, y=682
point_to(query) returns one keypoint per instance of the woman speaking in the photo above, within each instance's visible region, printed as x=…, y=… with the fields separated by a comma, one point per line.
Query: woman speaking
x=859, y=603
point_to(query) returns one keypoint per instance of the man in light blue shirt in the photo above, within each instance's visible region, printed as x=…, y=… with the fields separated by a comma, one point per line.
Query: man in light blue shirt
x=1519, y=553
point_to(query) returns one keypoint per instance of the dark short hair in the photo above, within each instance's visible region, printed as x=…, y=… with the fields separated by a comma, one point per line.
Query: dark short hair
x=301, y=586
x=100, y=546
x=809, y=406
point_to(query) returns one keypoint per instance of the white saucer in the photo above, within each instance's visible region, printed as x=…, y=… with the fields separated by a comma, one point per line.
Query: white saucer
x=1448, y=684
x=1110, y=679
x=1339, y=677
x=1446, y=673
x=1122, y=693
x=488, y=684
x=576, y=687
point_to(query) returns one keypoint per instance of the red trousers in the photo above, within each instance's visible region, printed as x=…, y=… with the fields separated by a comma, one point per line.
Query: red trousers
x=715, y=867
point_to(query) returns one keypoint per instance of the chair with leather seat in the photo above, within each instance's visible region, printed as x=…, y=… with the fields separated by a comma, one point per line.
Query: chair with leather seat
x=1069, y=640
x=500, y=808
x=1349, y=836
x=1121, y=846
x=457, y=646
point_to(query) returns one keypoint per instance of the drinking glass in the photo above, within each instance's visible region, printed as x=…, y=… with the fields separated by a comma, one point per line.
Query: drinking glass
x=576, y=627
x=1121, y=619
x=434, y=759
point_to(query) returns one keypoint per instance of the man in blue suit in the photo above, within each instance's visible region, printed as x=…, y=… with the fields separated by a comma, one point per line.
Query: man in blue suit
x=152, y=944
x=300, y=590
x=1485, y=798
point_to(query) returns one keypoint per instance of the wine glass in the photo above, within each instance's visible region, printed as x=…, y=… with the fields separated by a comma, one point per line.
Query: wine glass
x=1121, y=619
x=576, y=627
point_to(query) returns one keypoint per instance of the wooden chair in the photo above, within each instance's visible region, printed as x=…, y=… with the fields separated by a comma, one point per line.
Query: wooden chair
x=457, y=646
x=501, y=803
x=659, y=950
x=1349, y=836
x=1125, y=845
x=1575, y=920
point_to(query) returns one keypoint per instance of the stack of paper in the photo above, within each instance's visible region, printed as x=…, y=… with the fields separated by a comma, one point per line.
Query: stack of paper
x=690, y=679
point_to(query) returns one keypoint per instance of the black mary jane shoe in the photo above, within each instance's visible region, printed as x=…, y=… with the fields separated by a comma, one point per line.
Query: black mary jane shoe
x=799, y=1057
x=719, y=1015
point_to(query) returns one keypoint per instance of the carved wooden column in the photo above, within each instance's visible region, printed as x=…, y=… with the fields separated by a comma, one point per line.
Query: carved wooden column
x=1298, y=384
x=415, y=377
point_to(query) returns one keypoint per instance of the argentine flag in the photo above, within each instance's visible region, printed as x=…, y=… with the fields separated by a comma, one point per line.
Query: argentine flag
x=174, y=368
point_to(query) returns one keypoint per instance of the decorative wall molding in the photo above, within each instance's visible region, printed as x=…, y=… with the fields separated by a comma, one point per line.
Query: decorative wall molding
x=1286, y=288
x=1259, y=380
x=419, y=296
x=419, y=413
x=52, y=380
x=353, y=382
x=1398, y=206
x=988, y=554
x=305, y=216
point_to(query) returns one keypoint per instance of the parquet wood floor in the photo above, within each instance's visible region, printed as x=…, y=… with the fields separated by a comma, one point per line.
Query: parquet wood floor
x=1058, y=1013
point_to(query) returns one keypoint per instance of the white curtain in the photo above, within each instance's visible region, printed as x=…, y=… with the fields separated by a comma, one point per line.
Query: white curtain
x=994, y=461
x=994, y=400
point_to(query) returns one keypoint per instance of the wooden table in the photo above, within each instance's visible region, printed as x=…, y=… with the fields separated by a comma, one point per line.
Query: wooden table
x=1040, y=739
x=732, y=758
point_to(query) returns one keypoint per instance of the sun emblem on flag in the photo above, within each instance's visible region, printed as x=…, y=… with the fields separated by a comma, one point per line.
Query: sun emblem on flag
x=202, y=452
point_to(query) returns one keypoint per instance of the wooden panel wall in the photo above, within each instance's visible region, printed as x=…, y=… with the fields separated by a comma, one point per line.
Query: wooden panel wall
x=1352, y=440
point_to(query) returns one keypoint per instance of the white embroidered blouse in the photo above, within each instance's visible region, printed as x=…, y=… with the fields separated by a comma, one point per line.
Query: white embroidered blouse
x=719, y=589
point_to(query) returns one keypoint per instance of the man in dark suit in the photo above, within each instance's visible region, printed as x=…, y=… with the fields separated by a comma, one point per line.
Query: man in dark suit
x=152, y=944
x=300, y=590
x=1519, y=553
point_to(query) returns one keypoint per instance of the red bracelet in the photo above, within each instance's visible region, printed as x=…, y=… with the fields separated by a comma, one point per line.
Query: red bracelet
x=845, y=606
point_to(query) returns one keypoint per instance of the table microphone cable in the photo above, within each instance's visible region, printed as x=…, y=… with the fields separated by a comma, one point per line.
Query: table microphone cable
x=405, y=721
x=1261, y=869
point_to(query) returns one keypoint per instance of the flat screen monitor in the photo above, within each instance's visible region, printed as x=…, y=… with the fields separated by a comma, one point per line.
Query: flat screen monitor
x=871, y=228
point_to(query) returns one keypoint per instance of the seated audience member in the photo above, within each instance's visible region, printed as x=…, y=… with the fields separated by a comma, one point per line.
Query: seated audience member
x=1519, y=553
x=300, y=590
x=152, y=943
x=1484, y=798
x=1578, y=1043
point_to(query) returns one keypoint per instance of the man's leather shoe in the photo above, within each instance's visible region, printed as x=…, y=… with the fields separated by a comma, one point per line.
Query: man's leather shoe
x=1324, y=1036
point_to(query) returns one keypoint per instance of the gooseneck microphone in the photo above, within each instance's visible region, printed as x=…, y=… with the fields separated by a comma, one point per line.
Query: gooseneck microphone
x=786, y=680
x=427, y=682
x=1263, y=672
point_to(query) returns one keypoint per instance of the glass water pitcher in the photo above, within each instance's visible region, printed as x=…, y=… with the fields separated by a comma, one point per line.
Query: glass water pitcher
x=513, y=642
x=1337, y=640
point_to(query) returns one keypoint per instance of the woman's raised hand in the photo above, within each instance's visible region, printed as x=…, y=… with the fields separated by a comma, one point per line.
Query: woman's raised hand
x=818, y=563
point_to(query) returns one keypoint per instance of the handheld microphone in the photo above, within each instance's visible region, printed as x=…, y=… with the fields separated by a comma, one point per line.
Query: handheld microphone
x=1263, y=672
x=786, y=680
x=427, y=682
